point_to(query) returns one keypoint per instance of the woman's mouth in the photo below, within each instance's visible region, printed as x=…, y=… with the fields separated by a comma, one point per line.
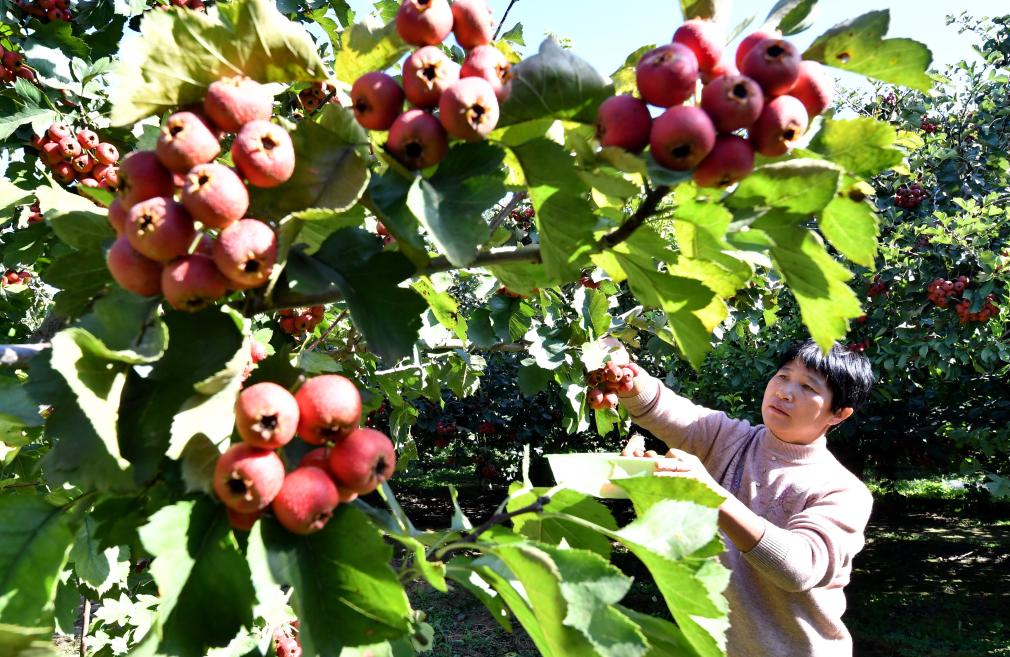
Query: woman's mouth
x=777, y=410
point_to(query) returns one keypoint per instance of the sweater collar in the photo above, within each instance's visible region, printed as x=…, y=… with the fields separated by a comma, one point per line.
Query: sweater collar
x=794, y=453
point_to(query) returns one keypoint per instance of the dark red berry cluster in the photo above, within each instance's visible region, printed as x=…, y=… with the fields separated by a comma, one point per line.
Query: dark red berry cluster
x=928, y=126
x=301, y=321
x=313, y=96
x=965, y=315
x=769, y=91
x=35, y=213
x=15, y=277
x=877, y=287
x=487, y=428
x=523, y=217
x=383, y=232
x=859, y=347
x=286, y=642
x=195, y=5
x=910, y=196
x=78, y=156
x=159, y=249
x=606, y=382
x=587, y=281
x=940, y=291
x=12, y=66
x=46, y=10
x=467, y=97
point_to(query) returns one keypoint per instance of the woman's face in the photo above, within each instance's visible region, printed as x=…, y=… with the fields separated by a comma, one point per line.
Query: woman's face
x=797, y=405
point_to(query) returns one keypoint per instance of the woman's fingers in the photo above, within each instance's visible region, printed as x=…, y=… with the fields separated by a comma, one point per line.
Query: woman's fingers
x=651, y=453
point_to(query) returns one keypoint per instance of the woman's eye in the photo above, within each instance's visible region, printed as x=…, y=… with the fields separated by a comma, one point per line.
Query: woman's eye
x=809, y=388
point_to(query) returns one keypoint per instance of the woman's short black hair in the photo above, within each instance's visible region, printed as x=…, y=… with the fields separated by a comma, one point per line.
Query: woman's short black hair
x=848, y=372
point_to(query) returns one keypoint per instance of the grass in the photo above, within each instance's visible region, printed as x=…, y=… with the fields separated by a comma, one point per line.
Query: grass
x=935, y=488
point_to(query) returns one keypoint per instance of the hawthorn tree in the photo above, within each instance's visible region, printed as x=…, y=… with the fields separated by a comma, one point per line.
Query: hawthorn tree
x=175, y=305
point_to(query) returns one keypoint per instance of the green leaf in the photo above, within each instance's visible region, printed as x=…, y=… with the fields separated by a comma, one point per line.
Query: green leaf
x=389, y=316
x=12, y=195
x=443, y=306
x=80, y=276
x=514, y=35
x=791, y=16
x=646, y=492
x=858, y=46
x=469, y=181
x=532, y=380
x=814, y=277
x=330, y=171
x=387, y=199
x=181, y=52
x=665, y=639
x=201, y=574
x=366, y=47
x=99, y=569
x=34, y=115
x=851, y=226
x=75, y=220
x=564, y=215
x=553, y=530
x=702, y=8
x=35, y=539
x=799, y=186
x=128, y=327
x=554, y=83
x=673, y=528
x=344, y=590
x=624, y=77
x=19, y=641
x=862, y=146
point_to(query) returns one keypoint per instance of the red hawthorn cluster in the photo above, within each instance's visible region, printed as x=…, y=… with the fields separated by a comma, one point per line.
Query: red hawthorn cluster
x=257, y=352
x=35, y=213
x=523, y=217
x=859, y=347
x=928, y=126
x=14, y=277
x=312, y=97
x=159, y=250
x=769, y=91
x=940, y=291
x=910, y=196
x=348, y=460
x=876, y=288
x=383, y=232
x=300, y=321
x=606, y=382
x=890, y=99
x=467, y=97
x=78, y=155
x=12, y=66
x=989, y=309
x=46, y=10
x=286, y=643
x=195, y=5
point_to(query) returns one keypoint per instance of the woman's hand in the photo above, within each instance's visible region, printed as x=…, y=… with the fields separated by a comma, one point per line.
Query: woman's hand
x=636, y=447
x=679, y=463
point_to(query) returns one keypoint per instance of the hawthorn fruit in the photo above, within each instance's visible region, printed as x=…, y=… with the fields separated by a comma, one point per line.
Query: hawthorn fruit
x=232, y=102
x=377, y=100
x=782, y=122
x=489, y=63
x=329, y=409
x=623, y=121
x=417, y=139
x=142, y=176
x=363, y=460
x=468, y=109
x=732, y=102
x=245, y=252
x=185, y=141
x=266, y=415
x=705, y=39
x=427, y=73
x=424, y=22
x=192, y=283
x=159, y=228
x=681, y=137
x=472, y=24
x=731, y=160
x=774, y=64
x=247, y=479
x=263, y=153
x=132, y=271
x=214, y=195
x=813, y=88
x=666, y=76
x=306, y=501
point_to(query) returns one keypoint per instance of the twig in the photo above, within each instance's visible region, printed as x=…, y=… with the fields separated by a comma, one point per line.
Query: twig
x=644, y=211
x=503, y=17
x=499, y=518
x=339, y=318
x=85, y=622
x=502, y=255
x=516, y=199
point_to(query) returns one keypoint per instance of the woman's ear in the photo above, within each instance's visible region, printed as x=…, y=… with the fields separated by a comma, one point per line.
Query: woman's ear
x=841, y=415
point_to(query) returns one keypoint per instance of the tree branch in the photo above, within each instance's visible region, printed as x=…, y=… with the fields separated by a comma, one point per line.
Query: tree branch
x=469, y=538
x=504, y=16
x=516, y=199
x=644, y=211
x=326, y=333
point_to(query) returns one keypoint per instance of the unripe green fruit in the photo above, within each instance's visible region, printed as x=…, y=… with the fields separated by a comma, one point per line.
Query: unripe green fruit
x=468, y=109
x=471, y=23
x=306, y=501
x=377, y=100
x=681, y=137
x=774, y=64
x=705, y=39
x=732, y=102
x=192, y=283
x=813, y=88
x=426, y=74
x=424, y=22
x=329, y=408
x=142, y=176
x=667, y=75
x=731, y=160
x=132, y=271
x=159, y=228
x=417, y=139
x=363, y=460
x=624, y=122
x=489, y=63
x=247, y=479
x=263, y=153
x=782, y=122
x=214, y=195
x=245, y=252
x=234, y=101
x=186, y=141
x=266, y=415
x=749, y=42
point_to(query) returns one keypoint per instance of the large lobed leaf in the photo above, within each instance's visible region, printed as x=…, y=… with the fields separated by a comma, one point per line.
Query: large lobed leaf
x=344, y=590
x=858, y=46
x=181, y=52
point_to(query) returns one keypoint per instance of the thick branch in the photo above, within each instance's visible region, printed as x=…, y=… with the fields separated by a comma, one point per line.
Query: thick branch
x=644, y=211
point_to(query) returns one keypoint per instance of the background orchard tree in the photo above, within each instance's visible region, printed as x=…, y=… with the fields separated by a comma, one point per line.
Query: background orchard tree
x=517, y=234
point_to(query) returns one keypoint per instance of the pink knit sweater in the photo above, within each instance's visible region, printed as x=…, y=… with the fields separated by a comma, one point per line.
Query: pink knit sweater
x=786, y=594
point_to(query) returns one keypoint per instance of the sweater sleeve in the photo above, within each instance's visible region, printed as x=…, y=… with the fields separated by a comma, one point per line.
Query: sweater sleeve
x=681, y=423
x=817, y=545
